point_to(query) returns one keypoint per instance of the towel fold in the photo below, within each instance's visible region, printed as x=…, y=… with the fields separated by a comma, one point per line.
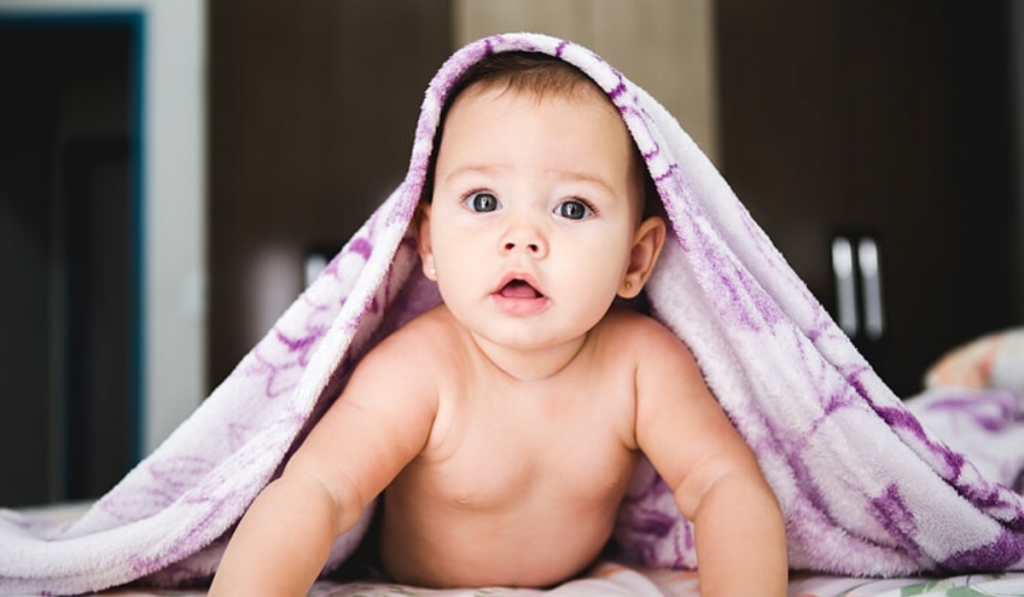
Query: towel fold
x=864, y=487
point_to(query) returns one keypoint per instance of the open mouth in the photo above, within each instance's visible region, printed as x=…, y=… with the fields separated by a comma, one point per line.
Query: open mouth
x=519, y=289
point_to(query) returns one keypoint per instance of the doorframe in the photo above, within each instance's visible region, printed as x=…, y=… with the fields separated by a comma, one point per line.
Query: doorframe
x=172, y=194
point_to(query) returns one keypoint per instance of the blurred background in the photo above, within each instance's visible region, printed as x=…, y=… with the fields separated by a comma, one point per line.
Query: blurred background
x=171, y=169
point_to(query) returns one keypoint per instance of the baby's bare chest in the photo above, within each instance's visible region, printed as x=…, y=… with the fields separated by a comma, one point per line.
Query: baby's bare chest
x=569, y=450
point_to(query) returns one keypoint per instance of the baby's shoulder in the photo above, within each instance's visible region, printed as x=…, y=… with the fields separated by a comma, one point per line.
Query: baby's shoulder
x=427, y=336
x=633, y=337
x=418, y=350
x=625, y=327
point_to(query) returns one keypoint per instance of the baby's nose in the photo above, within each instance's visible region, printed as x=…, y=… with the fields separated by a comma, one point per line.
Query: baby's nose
x=531, y=247
x=525, y=239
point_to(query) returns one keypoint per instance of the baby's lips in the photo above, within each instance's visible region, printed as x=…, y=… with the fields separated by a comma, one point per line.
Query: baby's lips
x=519, y=285
x=519, y=289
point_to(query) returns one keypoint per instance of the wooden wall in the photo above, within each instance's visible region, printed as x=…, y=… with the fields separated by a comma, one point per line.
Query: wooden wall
x=312, y=113
x=668, y=47
x=888, y=120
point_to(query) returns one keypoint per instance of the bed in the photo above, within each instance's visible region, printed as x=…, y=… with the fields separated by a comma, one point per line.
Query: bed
x=612, y=579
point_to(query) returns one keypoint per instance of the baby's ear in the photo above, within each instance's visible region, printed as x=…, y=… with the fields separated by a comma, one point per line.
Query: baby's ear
x=647, y=243
x=421, y=225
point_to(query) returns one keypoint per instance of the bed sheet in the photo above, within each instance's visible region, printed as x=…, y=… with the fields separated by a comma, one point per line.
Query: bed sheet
x=613, y=579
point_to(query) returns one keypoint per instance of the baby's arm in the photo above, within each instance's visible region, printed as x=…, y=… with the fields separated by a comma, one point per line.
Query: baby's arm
x=740, y=535
x=378, y=425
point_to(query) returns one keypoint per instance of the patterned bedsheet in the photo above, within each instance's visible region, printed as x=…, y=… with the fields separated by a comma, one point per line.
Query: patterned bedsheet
x=970, y=585
x=612, y=579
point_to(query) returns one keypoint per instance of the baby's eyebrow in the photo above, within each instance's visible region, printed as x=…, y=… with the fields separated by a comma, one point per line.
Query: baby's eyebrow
x=494, y=170
x=484, y=169
x=587, y=178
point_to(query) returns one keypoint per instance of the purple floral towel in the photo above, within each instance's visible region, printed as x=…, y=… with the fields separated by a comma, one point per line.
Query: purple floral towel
x=865, y=490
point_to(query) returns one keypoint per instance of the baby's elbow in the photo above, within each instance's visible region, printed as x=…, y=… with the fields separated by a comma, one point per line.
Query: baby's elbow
x=338, y=499
x=726, y=482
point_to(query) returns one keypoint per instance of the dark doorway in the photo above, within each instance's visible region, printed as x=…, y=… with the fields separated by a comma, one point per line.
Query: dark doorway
x=70, y=253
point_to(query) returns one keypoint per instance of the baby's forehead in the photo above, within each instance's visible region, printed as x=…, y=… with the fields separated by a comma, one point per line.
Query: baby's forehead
x=541, y=78
x=587, y=109
x=484, y=97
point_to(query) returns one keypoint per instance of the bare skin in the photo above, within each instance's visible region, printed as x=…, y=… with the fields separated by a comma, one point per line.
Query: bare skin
x=503, y=426
x=540, y=506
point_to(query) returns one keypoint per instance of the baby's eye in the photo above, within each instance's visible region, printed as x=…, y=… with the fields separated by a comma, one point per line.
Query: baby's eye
x=482, y=202
x=573, y=209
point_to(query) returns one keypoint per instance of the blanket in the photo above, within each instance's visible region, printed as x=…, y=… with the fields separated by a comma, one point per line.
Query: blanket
x=865, y=487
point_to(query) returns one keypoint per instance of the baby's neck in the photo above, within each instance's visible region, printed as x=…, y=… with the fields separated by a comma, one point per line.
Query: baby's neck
x=533, y=364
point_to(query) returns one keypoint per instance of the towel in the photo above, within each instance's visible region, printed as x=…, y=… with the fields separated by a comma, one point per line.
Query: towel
x=864, y=487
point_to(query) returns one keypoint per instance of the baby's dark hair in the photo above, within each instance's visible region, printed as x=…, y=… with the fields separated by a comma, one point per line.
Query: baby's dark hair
x=540, y=75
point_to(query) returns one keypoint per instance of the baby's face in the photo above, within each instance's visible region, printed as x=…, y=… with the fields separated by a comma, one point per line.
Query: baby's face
x=534, y=210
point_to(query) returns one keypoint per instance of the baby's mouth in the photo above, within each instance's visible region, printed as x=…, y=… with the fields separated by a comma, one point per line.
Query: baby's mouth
x=519, y=289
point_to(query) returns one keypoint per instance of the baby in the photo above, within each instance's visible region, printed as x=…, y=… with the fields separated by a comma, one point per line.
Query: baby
x=502, y=427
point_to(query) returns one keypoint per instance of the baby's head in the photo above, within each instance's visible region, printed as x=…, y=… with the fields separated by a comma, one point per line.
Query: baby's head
x=534, y=208
x=538, y=76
